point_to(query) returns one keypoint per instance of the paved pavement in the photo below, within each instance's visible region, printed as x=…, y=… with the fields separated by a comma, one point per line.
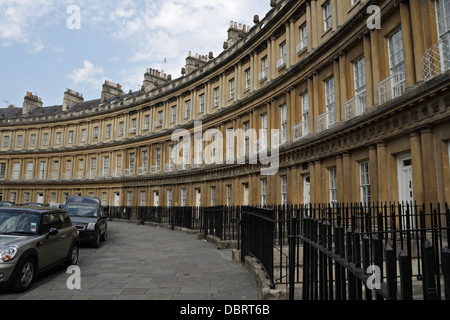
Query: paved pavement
x=143, y=262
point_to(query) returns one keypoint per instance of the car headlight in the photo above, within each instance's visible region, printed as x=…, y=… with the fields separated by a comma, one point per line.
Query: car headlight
x=8, y=253
x=91, y=226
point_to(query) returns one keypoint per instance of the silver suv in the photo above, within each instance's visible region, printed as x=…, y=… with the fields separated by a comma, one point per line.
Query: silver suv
x=33, y=240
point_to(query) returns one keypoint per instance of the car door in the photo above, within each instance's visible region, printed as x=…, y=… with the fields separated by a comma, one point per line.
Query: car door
x=49, y=246
x=66, y=234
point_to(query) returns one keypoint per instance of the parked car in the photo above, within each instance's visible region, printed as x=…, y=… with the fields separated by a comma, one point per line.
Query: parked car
x=33, y=204
x=6, y=204
x=33, y=240
x=87, y=216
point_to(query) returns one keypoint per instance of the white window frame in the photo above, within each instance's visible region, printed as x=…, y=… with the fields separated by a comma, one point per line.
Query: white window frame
x=174, y=114
x=202, y=103
x=93, y=168
x=248, y=79
x=229, y=195
x=129, y=198
x=332, y=174
x=364, y=182
x=68, y=169
x=20, y=140
x=108, y=131
x=183, y=197
x=396, y=51
x=232, y=88
x=188, y=109
x=169, y=198
x=264, y=129
x=327, y=17
x=216, y=97
x=16, y=170
x=230, y=144
x=42, y=169
x=284, y=190
x=263, y=192
x=213, y=196
x=6, y=141
x=303, y=37
x=30, y=167
x=105, y=166
x=305, y=113
x=284, y=123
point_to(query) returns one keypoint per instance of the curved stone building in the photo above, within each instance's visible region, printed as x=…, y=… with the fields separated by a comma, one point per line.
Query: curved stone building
x=340, y=100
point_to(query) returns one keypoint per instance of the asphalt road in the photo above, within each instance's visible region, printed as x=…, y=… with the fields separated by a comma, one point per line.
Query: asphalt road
x=143, y=262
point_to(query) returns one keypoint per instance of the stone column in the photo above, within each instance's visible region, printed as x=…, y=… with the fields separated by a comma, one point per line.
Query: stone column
x=309, y=23
x=311, y=103
x=374, y=41
x=382, y=172
x=348, y=185
x=313, y=182
x=343, y=84
x=337, y=90
x=315, y=33
x=369, y=71
x=408, y=50
x=319, y=185
x=289, y=44
x=417, y=167
x=429, y=167
x=340, y=178
x=417, y=36
x=373, y=164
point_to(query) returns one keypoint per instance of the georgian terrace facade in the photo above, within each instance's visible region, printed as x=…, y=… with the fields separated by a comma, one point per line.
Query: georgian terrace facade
x=357, y=111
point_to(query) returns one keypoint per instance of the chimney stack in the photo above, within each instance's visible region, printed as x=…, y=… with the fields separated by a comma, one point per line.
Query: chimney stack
x=71, y=97
x=154, y=78
x=31, y=102
x=193, y=63
x=235, y=32
x=111, y=90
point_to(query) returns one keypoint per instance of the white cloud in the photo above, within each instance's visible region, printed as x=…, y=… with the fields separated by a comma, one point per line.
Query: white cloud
x=88, y=74
x=21, y=18
x=36, y=46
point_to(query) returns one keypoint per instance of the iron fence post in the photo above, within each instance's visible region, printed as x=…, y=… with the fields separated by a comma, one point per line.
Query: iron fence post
x=446, y=271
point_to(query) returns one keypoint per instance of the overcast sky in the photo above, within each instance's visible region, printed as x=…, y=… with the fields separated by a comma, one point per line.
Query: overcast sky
x=45, y=48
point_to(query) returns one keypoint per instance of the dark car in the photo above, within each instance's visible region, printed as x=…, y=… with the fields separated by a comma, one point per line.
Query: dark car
x=87, y=216
x=33, y=240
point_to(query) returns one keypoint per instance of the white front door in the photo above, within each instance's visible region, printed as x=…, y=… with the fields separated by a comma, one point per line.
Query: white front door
x=156, y=198
x=405, y=182
x=245, y=194
x=198, y=197
x=116, y=199
x=40, y=198
x=306, y=189
x=198, y=202
x=405, y=189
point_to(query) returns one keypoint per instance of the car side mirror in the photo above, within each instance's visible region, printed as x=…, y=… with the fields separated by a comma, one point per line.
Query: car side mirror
x=52, y=232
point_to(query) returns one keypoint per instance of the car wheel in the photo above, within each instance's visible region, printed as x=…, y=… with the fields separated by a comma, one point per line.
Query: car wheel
x=25, y=276
x=103, y=237
x=96, y=241
x=72, y=257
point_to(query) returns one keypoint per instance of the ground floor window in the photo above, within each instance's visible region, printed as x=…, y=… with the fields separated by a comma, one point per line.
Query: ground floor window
x=364, y=181
x=333, y=185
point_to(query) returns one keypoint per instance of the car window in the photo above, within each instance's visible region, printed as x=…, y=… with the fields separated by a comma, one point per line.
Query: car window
x=81, y=211
x=20, y=222
x=50, y=220
x=65, y=220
